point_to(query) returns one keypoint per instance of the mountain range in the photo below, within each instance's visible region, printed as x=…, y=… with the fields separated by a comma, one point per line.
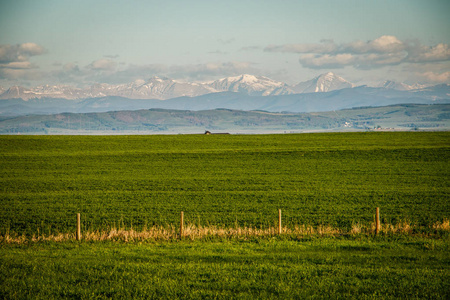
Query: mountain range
x=296, y=103
x=327, y=92
x=160, y=88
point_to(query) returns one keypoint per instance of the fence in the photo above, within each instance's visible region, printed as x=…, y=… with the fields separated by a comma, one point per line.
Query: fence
x=193, y=232
x=279, y=229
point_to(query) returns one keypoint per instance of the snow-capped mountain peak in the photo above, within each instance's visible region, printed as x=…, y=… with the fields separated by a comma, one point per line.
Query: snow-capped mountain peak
x=389, y=84
x=401, y=86
x=323, y=83
x=139, y=82
x=163, y=88
x=244, y=78
x=159, y=79
x=251, y=85
x=17, y=92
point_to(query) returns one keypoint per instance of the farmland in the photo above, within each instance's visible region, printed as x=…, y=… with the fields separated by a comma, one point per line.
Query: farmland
x=225, y=181
x=222, y=180
x=163, y=121
x=277, y=268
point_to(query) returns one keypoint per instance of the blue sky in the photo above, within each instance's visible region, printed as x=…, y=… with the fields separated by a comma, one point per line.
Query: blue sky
x=84, y=42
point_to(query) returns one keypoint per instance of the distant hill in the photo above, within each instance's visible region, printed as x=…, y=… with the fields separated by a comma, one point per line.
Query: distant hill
x=163, y=121
x=306, y=102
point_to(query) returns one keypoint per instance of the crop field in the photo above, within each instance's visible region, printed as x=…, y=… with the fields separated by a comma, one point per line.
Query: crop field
x=334, y=179
x=225, y=181
x=276, y=268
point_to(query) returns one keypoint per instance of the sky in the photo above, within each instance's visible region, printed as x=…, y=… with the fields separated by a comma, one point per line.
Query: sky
x=84, y=42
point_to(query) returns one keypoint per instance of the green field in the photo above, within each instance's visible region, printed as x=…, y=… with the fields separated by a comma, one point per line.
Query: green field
x=230, y=181
x=223, y=180
x=324, y=268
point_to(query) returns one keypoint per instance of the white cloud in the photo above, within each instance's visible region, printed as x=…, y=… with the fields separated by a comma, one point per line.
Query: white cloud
x=20, y=74
x=19, y=52
x=14, y=61
x=31, y=49
x=419, y=53
x=18, y=65
x=383, y=44
x=71, y=67
x=209, y=70
x=431, y=77
x=315, y=61
x=386, y=50
x=191, y=72
x=128, y=74
x=364, y=61
x=375, y=60
x=103, y=64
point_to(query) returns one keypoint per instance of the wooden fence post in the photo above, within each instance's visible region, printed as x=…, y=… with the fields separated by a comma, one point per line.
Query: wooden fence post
x=78, y=227
x=377, y=221
x=279, y=221
x=181, y=224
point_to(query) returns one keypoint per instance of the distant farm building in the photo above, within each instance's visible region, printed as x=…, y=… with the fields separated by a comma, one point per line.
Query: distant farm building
x=209, y=132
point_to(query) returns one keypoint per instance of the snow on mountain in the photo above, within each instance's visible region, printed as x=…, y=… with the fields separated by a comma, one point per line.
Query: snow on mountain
x=323, y=83
x=400, y=86
x=15, y=92
x=44, y=91
x=161, y=88
x=251, y=85
x=155, y=88
x=55, y=91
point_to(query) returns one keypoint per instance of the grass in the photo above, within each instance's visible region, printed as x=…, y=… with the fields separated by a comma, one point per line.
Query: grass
x=130, y=191
x=194, y=232
x=143, y=181
x=263, y=268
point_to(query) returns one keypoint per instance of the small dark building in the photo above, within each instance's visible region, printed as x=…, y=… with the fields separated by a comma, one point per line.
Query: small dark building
x=209, y=132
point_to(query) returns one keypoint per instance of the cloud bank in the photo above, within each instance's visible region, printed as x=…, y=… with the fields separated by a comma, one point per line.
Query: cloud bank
x=188, y=72
x=434, y=77
x=14, y=60
x=103, y=65
x=108, y=71
x=386, y=50
x=430, y=64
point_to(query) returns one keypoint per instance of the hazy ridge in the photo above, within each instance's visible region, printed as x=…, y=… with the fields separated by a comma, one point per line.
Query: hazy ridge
x=163, y=121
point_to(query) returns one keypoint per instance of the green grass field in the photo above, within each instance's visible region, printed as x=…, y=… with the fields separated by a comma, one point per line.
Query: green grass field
x=275, y=268
x=332, y=179
x=226, y=181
